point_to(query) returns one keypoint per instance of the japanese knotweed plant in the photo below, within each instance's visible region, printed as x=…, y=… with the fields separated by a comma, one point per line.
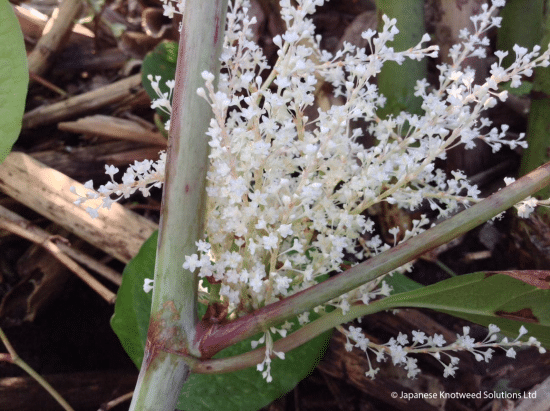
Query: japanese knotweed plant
x=288, y=193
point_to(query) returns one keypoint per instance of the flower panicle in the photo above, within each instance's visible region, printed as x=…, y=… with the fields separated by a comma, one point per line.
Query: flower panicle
x=142, y=176
x=288, y=187
x=399, y=349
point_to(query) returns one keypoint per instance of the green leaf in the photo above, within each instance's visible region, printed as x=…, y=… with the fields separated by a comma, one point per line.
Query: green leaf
x=160, y=62
x=14, y=78
x=240, y=390
x=400, y=283
x=130, y=321
x=523, y=90
x=246, y=389
x=485, y=298
x=396, y=81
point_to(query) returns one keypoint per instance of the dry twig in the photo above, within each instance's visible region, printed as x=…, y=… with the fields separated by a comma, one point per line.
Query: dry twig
x=55, y=32
x=118, y=232
x=83, y=103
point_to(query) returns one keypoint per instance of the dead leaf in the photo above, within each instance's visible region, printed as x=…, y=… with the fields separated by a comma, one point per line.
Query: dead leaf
x=537, y=278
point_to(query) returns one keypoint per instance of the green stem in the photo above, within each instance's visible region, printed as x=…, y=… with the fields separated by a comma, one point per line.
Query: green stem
x=15, y=359
x=173, y=312
x=301, y=336
x=445, y=268
x=215, y=338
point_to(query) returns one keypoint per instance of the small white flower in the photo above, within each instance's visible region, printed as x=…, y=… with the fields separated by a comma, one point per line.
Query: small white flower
x=303, y=318
x=438, y=340
x=169, y=10
x=203, y=246
x=285, y=230
x=270, y=242
x=192, y=262
x=419, y=337
x=522, y=331
x=111, y=171
x=449, y=370
x=148, y=285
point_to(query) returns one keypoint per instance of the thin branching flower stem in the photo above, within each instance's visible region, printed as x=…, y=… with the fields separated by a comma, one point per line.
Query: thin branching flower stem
x=173, y=311
x=12, y=357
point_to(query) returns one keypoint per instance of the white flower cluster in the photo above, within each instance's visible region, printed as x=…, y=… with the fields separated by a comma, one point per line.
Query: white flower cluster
x=287, y=191
x=164, y=100
x=398, y=349
x=527, y=206
x=267, y=338
x=172, y=7
x=142, y=176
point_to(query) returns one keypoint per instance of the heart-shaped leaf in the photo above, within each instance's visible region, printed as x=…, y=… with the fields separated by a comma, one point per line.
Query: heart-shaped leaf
x=240, y=390
x=14, y=78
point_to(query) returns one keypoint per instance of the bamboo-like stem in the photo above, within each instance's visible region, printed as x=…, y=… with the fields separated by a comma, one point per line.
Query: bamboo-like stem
x=14, y=358
x=217, y=337
x=173, y=312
